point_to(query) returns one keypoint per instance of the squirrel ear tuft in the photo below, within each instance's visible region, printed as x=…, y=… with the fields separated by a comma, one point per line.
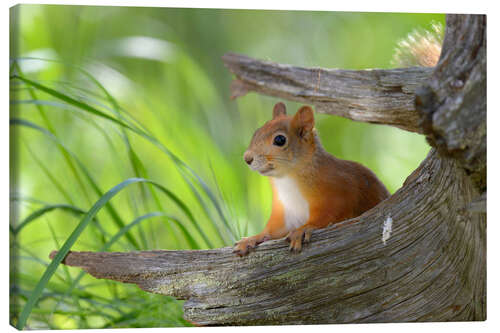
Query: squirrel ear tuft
x=303, y=120
x=279, y=110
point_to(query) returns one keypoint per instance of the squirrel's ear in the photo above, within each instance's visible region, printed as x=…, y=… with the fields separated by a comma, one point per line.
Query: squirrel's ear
x=303, y=120
x=279, y=110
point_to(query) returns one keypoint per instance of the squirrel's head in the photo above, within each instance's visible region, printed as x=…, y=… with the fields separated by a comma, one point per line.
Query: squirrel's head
x=284, y=143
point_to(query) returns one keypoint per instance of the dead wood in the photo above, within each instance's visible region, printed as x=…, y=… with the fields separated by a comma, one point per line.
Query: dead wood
x=376, y=96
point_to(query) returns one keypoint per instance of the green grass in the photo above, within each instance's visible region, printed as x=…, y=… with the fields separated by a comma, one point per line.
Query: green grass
x=120, y=151
x=202, y=192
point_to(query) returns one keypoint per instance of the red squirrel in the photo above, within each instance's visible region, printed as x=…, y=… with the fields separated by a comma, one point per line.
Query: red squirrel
x=311, y=188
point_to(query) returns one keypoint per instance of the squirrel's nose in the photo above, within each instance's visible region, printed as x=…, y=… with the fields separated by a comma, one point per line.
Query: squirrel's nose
x=248, y=158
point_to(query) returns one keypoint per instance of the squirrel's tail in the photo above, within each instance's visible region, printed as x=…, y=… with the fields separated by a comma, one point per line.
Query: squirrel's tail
x=420, y=48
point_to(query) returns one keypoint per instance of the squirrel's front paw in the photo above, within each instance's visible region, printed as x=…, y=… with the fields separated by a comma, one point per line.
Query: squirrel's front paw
x=296, y=237
x=242, y=247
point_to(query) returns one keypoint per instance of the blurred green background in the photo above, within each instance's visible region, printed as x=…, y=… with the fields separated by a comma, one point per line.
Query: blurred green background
x=161, y=92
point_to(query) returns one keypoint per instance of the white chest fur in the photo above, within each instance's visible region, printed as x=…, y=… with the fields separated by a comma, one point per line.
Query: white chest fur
x=295, y=205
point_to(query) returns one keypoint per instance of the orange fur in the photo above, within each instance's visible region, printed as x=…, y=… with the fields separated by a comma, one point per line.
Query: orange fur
x=334, y=189
x=275, y=226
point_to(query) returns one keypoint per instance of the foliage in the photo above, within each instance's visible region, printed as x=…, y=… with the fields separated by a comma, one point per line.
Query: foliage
x=103, y=97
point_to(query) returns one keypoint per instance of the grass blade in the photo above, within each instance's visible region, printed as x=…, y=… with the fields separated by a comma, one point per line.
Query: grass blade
x=120, y=233
x=124, y=230
x=53, y=130
x=71, y=101
x=112, y=211
x=63, y=251
x=184, y=169
x=38, y=213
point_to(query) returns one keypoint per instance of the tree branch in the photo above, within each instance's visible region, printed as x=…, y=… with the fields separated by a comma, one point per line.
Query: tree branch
x=452, y=103
x=375, y=96
x=425, y=257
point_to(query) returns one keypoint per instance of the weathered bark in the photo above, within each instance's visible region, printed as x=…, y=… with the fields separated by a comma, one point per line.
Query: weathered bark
x=418, y=256
x=452, y=103
x=377, y=96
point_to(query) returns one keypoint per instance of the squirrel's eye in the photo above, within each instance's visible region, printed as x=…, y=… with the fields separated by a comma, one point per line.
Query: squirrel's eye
x=279, y=140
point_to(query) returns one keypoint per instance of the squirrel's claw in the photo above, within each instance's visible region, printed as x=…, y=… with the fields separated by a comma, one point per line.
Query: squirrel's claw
x=241, y=252
x=297, y=237
x=307, y=235
x=244, y=246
